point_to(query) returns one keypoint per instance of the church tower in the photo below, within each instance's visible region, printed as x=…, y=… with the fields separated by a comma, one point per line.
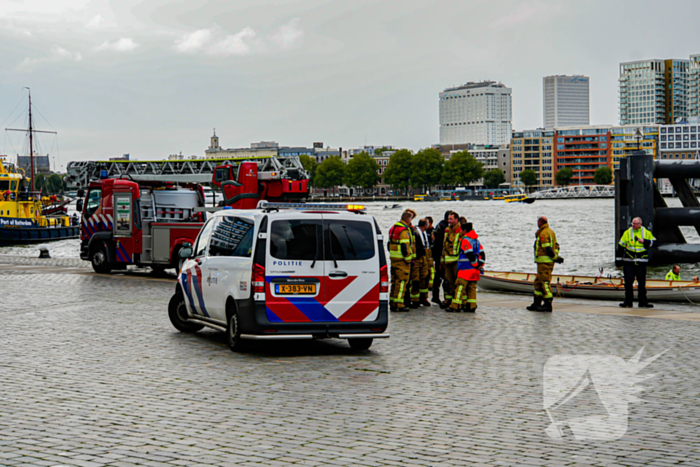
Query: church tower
x=214, y=141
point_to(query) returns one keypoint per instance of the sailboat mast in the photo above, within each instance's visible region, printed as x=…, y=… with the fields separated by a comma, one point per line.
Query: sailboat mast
x=31, y=141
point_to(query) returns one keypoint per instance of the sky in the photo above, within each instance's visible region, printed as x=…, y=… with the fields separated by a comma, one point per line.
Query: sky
x=154, y=77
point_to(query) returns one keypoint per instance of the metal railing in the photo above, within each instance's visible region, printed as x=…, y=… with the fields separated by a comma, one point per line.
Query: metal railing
x=576, y=191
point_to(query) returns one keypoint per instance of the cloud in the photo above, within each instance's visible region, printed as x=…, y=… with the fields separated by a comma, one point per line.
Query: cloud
x=289, y=35
x=233, y=45
x=193, y=41
x=125, y=44
x=521, y=15
x=56, y=54
x=95, y=22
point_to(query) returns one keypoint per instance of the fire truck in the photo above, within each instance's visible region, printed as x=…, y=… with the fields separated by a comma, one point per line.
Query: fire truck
x=143, y=213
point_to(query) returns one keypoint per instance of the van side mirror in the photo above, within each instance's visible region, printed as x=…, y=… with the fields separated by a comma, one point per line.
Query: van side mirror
x=79, y=205
x=81, y=193
x=186, y=251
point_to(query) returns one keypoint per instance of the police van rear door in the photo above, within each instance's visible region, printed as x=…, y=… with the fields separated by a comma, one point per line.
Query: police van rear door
x=294, y=269
x=351, y=282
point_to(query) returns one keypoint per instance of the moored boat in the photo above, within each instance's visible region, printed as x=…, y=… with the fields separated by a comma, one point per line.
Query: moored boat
x=26, y=217
x=22, y=220
x=590, y=287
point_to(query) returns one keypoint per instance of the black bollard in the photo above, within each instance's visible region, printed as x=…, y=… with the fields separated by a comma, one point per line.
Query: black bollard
x=44, y=252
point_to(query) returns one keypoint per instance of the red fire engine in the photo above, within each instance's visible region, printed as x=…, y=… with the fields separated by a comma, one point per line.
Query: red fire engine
x=136, y=214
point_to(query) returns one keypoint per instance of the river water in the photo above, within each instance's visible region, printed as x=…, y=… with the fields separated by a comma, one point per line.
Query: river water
x=584, y=228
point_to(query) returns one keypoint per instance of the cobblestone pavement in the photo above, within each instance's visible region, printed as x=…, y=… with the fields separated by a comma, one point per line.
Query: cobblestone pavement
x=92, y=373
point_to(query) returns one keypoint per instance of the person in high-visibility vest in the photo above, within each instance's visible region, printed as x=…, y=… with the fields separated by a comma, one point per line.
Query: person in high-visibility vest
x=546, y=254
x=450, y=255
x=469, y=267
x=401, y=255
x=633, y=253
x=674, y=274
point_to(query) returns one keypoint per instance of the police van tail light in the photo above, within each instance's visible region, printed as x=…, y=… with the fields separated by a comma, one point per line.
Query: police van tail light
x=258, y=279
x=383, y=280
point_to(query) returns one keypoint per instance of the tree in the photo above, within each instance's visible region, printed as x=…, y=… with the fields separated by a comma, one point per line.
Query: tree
x=310, y=165
x=462, y=169
x=426, y=168
x=398, y=172
x=361, y=171
x=528, y=177
x=54, y=184
x=39, y=182
x=493, y=178
x=563, y=176
x=329, y=173
x=602, y=176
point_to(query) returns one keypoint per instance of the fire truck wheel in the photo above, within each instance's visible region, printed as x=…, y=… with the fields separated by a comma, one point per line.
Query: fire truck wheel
x=99, y=260
x=177, y=311
x=233, y=331
x=360, y=344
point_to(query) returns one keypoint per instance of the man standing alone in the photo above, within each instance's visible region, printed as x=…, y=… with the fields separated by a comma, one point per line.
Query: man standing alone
x=546, y=254
x=633, y=251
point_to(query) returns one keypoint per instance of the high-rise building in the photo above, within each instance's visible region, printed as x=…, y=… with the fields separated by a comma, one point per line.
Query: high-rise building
x=694, y=86
x=532, y=150
x=476, y=113
x=653, y=91
x=565, y=100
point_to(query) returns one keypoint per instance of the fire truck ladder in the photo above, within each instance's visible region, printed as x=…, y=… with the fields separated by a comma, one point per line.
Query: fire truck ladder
x=80, y=173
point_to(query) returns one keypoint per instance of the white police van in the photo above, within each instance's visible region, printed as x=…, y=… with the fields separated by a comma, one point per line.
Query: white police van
x=286, y=271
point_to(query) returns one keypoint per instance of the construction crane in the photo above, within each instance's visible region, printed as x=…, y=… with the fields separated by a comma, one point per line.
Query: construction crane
x=270, y=168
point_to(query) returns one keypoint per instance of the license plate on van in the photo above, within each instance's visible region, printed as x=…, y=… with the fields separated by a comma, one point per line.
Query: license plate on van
x=296, y=289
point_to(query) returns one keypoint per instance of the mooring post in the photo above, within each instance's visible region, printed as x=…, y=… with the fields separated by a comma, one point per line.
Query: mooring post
x=634, y=192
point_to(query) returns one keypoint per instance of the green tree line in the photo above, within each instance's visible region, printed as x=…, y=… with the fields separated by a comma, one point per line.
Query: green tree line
x=423, y=169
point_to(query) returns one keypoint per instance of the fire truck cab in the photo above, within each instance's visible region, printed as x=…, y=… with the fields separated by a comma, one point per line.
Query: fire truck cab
x=286, y=271
x=124, y=223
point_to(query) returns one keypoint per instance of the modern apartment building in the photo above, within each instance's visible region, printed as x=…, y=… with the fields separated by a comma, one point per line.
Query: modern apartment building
x=624, y=142
x=654, y=91
x=533, y=150
x=566, y=100
x=694, y=86
x=584, y=150
x=680, y=141
x=476, y=113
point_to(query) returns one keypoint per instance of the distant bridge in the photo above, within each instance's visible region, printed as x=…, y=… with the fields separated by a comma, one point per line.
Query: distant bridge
x=576, y=191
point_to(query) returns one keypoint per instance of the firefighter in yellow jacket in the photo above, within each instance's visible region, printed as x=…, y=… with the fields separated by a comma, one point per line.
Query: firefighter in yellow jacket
x=401, y=255
x=450, y=256
x=546, y=254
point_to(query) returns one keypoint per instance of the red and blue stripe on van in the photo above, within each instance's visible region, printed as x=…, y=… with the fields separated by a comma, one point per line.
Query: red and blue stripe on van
x=338, y=301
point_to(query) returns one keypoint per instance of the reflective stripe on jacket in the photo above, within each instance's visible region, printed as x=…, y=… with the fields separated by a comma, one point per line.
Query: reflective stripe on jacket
x=466, y=269
x=450, y=247
x=545, y=238
x=671, y=276
x=400, y=234
x=633, y=243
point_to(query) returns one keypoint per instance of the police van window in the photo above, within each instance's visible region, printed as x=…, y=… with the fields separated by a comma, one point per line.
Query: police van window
x=93, y=201
x=233, y=236
x=201, y=245
x=348, y=240
x=294, y=239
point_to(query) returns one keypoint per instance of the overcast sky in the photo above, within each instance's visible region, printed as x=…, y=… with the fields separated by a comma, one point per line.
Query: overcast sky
x=153, y=77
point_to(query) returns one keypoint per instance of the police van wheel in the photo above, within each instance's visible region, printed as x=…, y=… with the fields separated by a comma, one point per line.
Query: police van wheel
x=360, y=344
x=233, y=330
x=99, y=262
x=177, y=311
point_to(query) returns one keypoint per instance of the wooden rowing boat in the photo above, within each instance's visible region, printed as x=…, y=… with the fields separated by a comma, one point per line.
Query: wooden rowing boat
x=591, y=287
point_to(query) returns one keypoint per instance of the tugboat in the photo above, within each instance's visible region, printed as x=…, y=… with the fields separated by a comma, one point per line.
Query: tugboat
x=26, y=217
